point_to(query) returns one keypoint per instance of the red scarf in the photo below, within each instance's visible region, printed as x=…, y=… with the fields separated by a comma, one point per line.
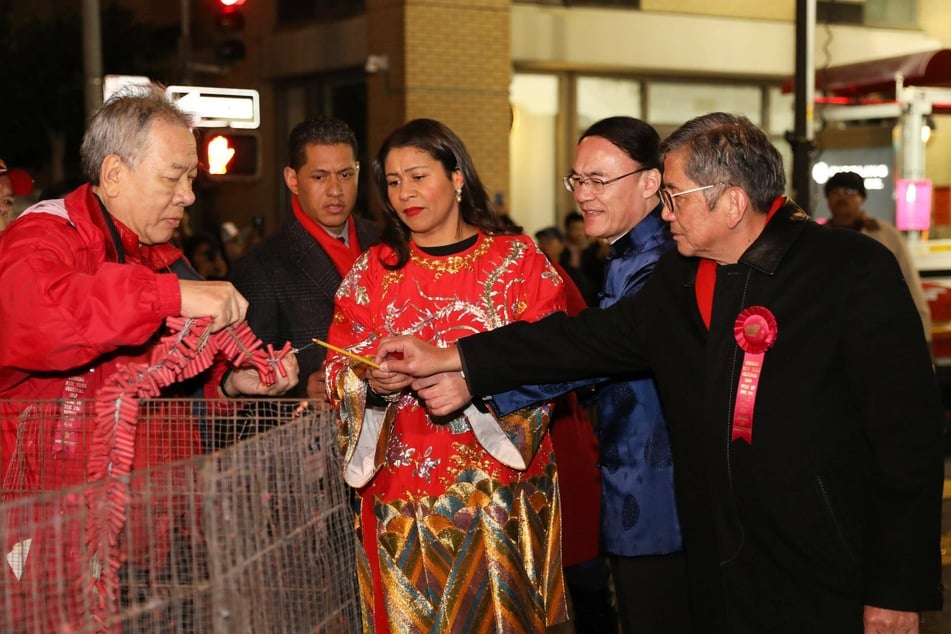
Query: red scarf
x=342, y=254
x=707, y=274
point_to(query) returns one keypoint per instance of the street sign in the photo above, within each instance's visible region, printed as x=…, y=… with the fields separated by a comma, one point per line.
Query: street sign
x=127, y=83
x=218, y=107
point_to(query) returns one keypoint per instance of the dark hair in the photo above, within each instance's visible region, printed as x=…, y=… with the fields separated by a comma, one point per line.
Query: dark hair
x=59, y=189
x=191, y=244
x=573, y=216
x=550, y=232
x=322, y=131
x=632, y=136
x=729, y=148
x=509, y=223
x=437, y=140
x=849, y=180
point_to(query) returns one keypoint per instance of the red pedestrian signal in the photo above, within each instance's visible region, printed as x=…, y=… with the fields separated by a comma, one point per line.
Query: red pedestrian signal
x=230, y=23
x=229, y=155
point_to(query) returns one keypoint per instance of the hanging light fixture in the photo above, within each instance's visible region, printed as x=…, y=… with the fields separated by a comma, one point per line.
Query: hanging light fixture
x=927, y=128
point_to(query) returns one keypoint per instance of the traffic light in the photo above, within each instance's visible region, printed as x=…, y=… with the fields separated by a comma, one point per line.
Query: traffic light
x=230, y=23
x=230, y=155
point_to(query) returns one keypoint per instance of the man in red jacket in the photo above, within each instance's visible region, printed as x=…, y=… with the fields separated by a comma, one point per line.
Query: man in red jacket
x=86, y=283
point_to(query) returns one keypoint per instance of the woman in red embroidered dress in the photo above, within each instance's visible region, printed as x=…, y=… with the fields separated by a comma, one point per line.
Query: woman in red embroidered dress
x=460, y=519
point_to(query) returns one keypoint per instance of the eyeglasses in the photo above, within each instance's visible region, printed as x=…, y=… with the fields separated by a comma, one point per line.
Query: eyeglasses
x=668, y=198
x=596, y=185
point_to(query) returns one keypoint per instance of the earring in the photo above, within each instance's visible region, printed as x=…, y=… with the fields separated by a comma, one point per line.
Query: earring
x=459, y=195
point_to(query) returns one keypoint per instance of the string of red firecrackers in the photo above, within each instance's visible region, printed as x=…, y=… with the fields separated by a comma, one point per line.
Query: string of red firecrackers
x=189, y=349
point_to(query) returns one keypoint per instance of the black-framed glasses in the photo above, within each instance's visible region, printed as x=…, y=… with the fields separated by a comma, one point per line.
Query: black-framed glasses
x=668, y=198
x=573, y=182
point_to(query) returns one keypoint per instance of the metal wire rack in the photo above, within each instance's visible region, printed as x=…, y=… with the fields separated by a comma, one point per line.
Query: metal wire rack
x=235, y=520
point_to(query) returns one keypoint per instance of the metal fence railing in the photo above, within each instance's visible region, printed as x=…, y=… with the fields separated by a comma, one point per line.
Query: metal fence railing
x=230, y=520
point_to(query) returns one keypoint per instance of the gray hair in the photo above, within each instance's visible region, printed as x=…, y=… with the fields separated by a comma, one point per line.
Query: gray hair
x=122, y=125
x=727, y=148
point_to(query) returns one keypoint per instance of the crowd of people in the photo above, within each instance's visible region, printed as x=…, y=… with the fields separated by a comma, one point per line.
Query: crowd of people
x=758, y=441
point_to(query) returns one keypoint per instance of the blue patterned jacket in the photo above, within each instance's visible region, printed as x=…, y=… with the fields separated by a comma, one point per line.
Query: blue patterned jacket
x=638, y=513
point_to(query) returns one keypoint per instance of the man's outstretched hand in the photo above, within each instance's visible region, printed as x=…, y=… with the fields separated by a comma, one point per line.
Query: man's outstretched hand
x=416, y=358
x=883, y=621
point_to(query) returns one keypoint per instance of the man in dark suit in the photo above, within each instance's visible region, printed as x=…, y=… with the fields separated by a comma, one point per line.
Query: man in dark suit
x=290, y=277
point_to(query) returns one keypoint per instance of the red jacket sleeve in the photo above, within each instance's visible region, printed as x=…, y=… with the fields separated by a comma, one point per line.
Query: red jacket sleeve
x=543, y=289
x=62, y=307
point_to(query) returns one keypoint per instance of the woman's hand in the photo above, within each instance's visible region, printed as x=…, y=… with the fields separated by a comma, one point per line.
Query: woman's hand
x=443, y=393
x=384, y=382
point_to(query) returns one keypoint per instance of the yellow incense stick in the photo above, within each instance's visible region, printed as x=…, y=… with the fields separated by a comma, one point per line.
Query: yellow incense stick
x=347, y=353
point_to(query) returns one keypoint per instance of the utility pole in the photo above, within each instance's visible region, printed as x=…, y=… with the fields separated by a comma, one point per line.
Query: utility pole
x=805, y=82
x=92, y=57
x=185, y=44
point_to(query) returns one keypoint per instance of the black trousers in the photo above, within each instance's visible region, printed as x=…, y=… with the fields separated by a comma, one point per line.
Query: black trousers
x=589, y=585
x=651, y=594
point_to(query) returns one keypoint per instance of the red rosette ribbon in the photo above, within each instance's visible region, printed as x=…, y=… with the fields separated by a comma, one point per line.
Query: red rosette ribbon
x=755, y=331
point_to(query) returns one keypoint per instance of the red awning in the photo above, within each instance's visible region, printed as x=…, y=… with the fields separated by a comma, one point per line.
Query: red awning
x=932, y=68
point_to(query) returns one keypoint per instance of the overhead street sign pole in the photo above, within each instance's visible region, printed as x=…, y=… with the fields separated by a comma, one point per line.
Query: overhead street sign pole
x=218, y=107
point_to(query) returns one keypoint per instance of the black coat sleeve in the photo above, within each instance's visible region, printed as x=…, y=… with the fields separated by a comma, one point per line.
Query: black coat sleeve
x=598, y=342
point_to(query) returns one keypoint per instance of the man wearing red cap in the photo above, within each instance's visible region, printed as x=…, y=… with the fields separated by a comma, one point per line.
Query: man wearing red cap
x=13, y=183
